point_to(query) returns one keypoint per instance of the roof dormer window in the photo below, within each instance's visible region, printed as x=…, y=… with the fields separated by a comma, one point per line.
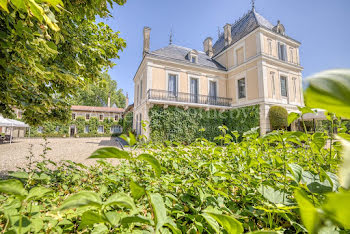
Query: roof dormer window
x=194, y=59
x=193, y=56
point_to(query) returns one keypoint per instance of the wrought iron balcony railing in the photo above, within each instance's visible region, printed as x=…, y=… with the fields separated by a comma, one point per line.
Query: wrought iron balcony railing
x=164, y=95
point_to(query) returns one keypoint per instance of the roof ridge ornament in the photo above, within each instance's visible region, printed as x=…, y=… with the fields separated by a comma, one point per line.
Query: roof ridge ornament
x=171, y=36
x=253, y=4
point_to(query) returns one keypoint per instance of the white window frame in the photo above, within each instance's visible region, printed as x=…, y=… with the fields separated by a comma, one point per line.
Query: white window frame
x=285, y=76
x=103, y=129
x=75, y=115
x=291, y=51
x=294, y=79
x=189, y=77
x=245, y=88
x=118, y=117
x=238, y=77
x=285, y=52
x=177, y=74
x=103, y=117
x=217, y=86
x=88, y=126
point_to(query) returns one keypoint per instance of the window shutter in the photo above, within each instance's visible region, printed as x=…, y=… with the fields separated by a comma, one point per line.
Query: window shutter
x=279, y=51
x=285, y=53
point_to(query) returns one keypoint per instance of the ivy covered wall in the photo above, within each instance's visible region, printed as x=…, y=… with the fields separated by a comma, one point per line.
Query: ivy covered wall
x=178, y=124
x=51, y=129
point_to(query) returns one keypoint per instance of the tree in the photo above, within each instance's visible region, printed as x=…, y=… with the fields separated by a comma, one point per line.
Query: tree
x=48, y=50
x=97, y=93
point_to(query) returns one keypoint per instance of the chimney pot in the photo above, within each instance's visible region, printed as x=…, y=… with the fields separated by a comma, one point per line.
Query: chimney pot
x=208, y=46
x=146, y=40
x=228, y=36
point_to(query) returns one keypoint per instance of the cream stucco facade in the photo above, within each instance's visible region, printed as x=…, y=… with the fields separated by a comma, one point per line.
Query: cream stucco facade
x=259, y=67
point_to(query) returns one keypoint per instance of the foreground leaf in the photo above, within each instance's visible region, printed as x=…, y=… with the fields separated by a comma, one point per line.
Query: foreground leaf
x=110, y=152
x=308, y=212
x=344, y=171
x=82, y=199
x=14, y=187
x=158, y=209
x=230, y=224
x=330, y=90
x=153, y=162
x=136, y=190
x=120, y=199
x=338, y=208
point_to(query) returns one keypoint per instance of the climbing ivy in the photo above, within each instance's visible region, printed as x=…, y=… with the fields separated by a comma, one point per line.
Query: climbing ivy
x=53, y=129
x=178, y=124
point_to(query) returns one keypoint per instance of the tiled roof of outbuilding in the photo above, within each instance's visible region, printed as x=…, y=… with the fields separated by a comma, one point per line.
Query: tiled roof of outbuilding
x=97, y=109
x=179, y=54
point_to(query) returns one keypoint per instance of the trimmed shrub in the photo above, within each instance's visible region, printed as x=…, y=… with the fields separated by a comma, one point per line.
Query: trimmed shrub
x=278, y=116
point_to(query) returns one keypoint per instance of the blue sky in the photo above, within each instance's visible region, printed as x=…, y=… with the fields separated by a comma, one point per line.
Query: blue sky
x=321, y=26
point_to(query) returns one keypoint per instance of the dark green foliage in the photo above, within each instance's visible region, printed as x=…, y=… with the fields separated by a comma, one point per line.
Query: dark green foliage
x=50, y=128
x=278, y=116
x=126, y=122
x=177, y=124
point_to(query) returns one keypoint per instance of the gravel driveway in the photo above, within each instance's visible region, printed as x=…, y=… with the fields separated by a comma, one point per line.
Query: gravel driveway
x=75, y=149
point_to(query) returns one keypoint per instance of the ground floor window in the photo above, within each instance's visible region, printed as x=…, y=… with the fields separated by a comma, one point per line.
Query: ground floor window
x=40, y=129
x=57, y=128
x=100, y=129
x=86, y=129
x=116, y=129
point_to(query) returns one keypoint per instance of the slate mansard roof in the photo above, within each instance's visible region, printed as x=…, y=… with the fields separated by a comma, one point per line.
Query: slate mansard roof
x=248, y=23
x=180, y=54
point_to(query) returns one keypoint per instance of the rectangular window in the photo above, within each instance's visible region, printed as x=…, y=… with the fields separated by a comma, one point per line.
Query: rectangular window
x=282, y=52
x=87, y=130
x=194, y=90
x=87, y=116
x=172, y=85
x=137, y=94
x=100, y=129
x=284, y=92
x=240, y=56
x=194, y=59
x=115, y=129
x=73, y=116
x=40, y=129
x=241, y=88
x=19, y=115
x=101, y=117
x=57, y=128
x=273, y=83
x=140, y=124
x=212, y=89
x=116, y=117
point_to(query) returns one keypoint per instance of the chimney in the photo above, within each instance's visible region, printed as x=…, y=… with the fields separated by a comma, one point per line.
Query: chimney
x=109, y=100
x=126, y=101
x=146, y=40
x=228, y=36
x=208, y=46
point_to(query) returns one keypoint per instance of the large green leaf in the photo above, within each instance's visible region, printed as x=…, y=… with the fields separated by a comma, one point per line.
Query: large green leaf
x=292, y=117
x=153, y=162
x=274, y=196
x=38, y=192
x=14, y=187
x=318, y=141
x=110, y=152
x=330, y=90
x=135, y=219
x=212, y=222
x=90, y=218
x=338, y=208
x=3, y=5
x=230, y=224
x=308, y=212
x=82, y=199
x=137, y=191
x=120, y=199
x=159, y=209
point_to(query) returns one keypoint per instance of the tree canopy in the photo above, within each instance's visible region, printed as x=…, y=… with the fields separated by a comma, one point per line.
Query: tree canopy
x=97, y=93
x=49, y=49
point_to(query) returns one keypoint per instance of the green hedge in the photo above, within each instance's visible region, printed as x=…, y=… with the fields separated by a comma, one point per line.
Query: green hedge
x=49, y=128
x=278, y=116
x=177, y=124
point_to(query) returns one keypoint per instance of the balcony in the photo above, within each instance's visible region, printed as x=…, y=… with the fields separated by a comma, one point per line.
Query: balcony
x=187, y=98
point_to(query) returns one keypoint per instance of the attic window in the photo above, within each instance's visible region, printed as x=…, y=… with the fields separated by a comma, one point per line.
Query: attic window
x=194, y=59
